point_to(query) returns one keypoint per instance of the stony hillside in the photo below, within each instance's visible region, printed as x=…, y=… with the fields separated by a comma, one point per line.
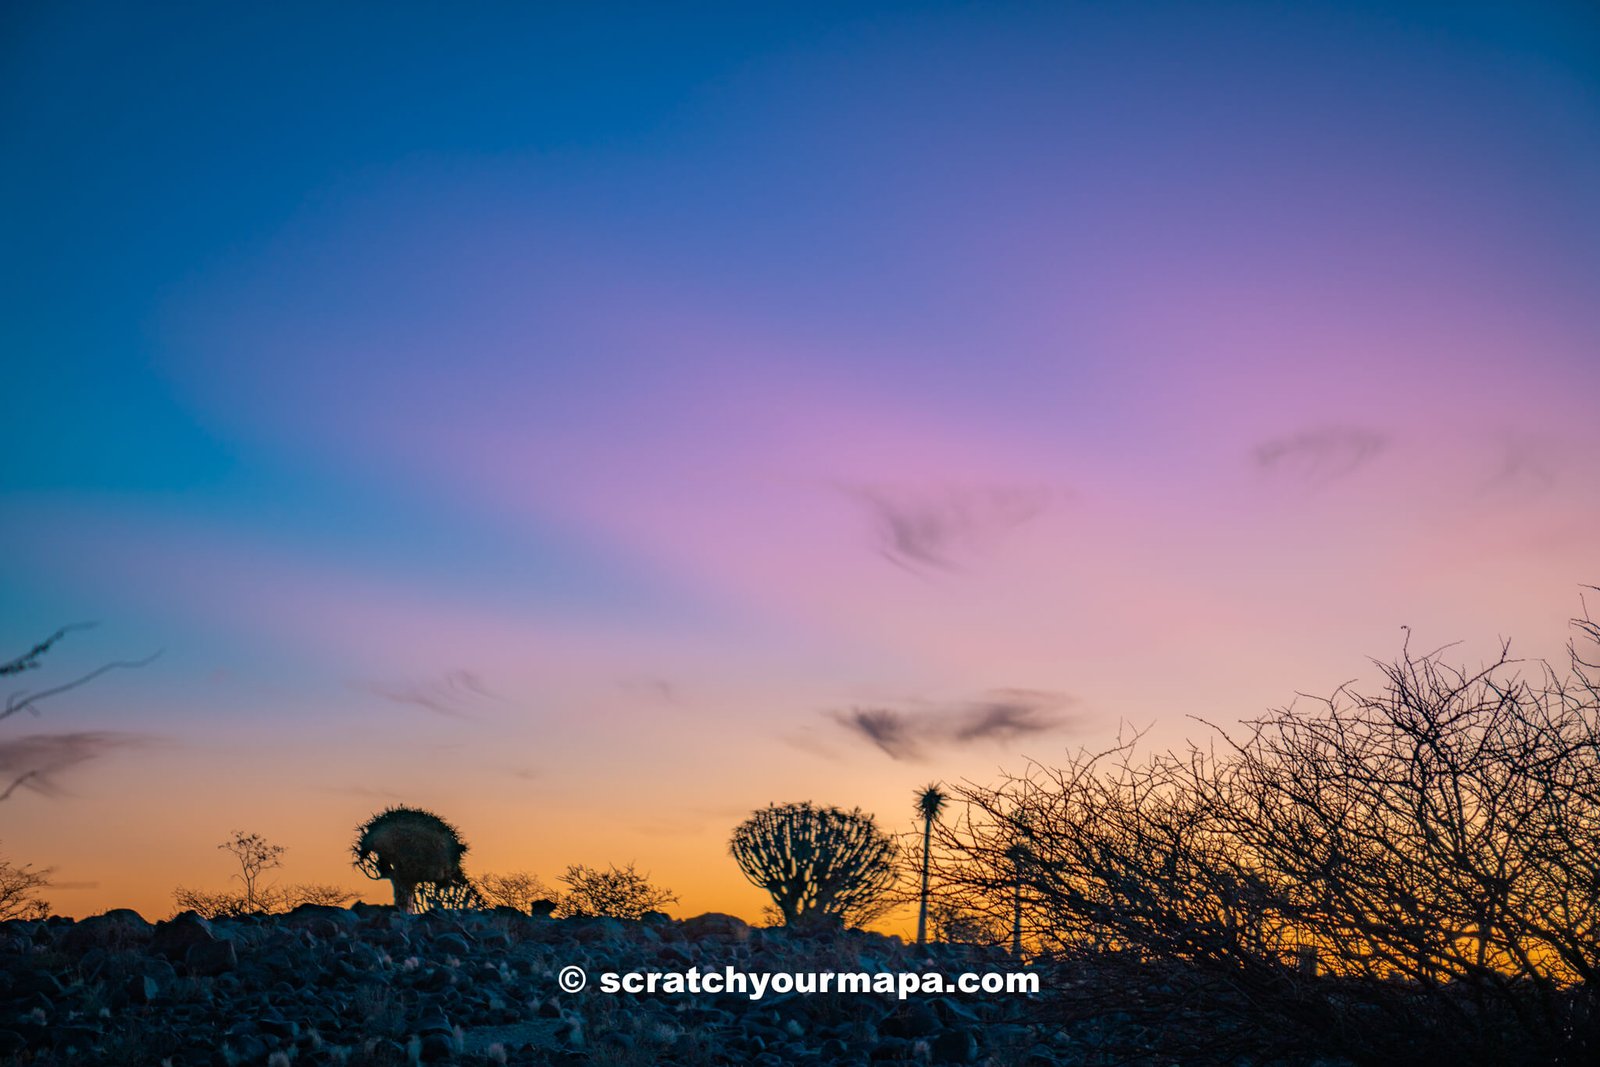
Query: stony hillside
x=370, y=986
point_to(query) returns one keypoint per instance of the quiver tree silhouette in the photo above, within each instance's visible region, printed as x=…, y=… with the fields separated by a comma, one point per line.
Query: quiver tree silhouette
x=930, y=801
x=420, y=854
x=1018, y=856
x=823, y=866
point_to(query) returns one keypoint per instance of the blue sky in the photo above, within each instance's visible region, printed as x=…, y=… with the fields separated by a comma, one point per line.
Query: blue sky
x=693, y=378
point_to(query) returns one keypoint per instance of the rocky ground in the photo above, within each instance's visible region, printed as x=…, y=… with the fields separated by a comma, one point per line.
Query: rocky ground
x=368, y=986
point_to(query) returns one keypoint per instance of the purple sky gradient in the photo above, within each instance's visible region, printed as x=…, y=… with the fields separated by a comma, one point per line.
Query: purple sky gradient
x=576, y=455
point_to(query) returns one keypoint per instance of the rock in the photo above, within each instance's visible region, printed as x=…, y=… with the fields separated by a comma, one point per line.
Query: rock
x=676, y=956
x=323, y=928
x=453, y=944
x=953, y=1011
x=432, y=1021
x=891, y=1048
x=915, y=1019
x=436, y=1048
x=174, y=938
x=955, y=1046
x=34, y=1034
x=339, y=916
x=79, y=1037
x=592, y=929
x=435, y=980
x=35, y=982
x=195, y=1056
x=208, y=959
x=247, y=1048
x=324, y=985
x=714, y=924
x=159, y=969
x=142, y=989
x=116, y=929
x=570, y=1032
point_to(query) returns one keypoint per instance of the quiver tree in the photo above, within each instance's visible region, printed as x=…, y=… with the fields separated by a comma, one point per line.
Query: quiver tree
x=930, y=801
x=420, y=854
x=822, y=865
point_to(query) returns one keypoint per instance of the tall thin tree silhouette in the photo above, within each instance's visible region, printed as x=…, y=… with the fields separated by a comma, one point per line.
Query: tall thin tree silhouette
x=930, y=801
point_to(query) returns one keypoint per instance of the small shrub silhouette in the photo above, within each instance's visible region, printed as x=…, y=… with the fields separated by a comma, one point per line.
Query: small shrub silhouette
x=420, y=855
x=518, y=890
x=256, y=855
x=19, y=887
x=620, y=893
x=824, y=867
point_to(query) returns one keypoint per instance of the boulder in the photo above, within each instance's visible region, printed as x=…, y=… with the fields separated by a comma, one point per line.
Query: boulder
x=116, y=929
x=715, y=924
x=955, y=1046
x=208, y=959
x=174, y=938
x=452, y=944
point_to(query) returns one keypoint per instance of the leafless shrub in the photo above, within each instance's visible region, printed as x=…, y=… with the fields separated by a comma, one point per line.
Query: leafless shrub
x=516, y=889
x=321, y=894
x=274, y=901
x=617, y=892
x=19, y=891
x=256, y=855
x=1412, y=873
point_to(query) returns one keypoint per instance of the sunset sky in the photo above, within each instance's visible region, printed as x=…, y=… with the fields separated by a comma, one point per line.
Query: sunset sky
x=593, y=423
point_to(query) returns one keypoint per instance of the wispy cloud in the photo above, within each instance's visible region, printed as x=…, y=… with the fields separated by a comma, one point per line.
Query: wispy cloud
x=34, y=762
x=651, y=688
x=455, y=696
x=1319, y=455
x=940, y=527
x=1002, y=715
x=1527, y=464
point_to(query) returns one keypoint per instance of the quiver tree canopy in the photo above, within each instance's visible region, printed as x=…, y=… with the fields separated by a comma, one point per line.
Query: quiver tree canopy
x=419, y=853
x=820, y=864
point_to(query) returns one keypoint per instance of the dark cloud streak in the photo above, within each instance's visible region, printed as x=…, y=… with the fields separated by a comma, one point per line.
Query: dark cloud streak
x=1320, y=455
x=451, y=696
x=35, y=761
x=1003, y=715
x=935, y=529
